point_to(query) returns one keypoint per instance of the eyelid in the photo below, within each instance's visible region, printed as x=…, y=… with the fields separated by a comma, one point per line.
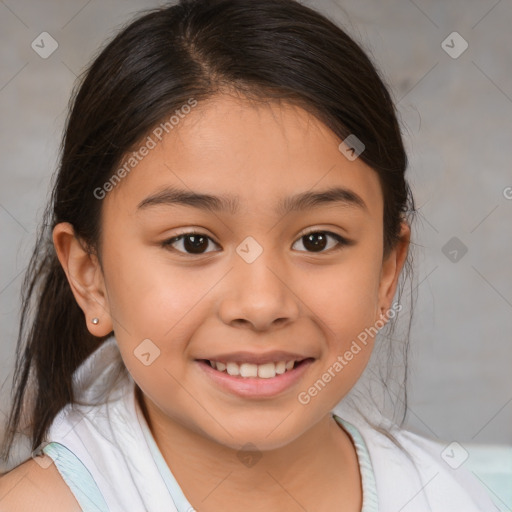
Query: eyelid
x=192, y=231
x=308, y=231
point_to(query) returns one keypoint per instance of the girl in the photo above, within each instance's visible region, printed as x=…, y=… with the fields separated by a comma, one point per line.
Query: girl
x=229, y=224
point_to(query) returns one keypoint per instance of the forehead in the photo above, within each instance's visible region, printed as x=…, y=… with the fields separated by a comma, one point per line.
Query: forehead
x=258, y=153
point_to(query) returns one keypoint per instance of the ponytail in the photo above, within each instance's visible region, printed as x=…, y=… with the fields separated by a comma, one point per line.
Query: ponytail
x=57, y=342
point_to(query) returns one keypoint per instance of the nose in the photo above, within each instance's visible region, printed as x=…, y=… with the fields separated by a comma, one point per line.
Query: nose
x=258, y=296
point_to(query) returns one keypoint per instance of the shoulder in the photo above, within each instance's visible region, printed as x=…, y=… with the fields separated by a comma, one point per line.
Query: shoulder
x=434, y=470
x=34, y=486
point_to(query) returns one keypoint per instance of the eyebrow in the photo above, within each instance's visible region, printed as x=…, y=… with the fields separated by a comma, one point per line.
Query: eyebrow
x=171, y=196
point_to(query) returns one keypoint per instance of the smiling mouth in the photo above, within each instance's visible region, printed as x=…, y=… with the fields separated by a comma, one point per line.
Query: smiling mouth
x=258, y=371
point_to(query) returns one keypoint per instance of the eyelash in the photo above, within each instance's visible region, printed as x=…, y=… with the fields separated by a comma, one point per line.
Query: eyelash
x=341, y=242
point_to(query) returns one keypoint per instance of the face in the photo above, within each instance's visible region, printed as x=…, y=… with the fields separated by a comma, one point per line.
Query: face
x=254, y=271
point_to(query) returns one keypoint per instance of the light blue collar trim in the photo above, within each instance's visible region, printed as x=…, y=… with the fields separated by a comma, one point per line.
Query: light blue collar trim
x=179, y=499
x=370, y=497
x=77, y=477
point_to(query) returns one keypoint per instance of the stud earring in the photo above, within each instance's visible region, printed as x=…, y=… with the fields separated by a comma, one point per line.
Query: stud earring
x=95, y=321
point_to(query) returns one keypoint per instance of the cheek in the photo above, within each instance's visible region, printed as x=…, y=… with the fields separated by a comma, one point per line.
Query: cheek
x=149, y=294
x=154, y=299
x=344, y=298
x=344, y=303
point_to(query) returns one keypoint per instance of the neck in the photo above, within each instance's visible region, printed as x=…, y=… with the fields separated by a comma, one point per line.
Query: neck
x=304, y=474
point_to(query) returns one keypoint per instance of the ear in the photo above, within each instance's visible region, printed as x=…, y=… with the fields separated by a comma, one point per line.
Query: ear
x=85, y=278
x=391, y=268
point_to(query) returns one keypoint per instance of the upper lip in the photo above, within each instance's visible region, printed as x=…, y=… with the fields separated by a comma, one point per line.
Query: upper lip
x=250, y=357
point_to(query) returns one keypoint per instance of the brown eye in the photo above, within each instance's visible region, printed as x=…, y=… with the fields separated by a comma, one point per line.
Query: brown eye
x=317, y=241
x=192, y=243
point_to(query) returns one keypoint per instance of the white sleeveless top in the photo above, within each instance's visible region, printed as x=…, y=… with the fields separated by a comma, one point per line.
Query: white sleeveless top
x=107, y=456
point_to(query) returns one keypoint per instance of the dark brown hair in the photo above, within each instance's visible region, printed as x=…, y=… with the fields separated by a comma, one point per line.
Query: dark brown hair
x=267, y=50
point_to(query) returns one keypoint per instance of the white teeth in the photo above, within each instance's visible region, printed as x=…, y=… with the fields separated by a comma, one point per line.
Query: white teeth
x=263, y=371
x=248, y=370
x=280, y=367
x=233, y=369
x=266, y=371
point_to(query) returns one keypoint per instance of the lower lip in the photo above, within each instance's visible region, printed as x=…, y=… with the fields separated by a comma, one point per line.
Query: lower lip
x=256, y=387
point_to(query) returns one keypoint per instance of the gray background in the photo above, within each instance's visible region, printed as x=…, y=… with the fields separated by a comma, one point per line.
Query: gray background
x=457, y=119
